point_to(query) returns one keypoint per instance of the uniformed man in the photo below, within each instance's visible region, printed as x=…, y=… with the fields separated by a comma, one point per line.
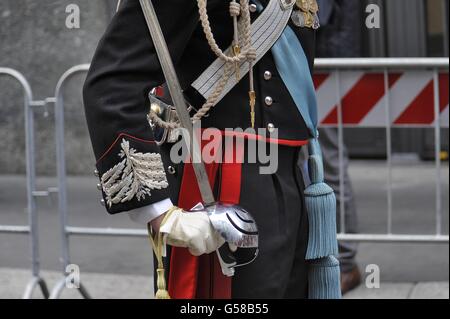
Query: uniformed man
x=270, y=87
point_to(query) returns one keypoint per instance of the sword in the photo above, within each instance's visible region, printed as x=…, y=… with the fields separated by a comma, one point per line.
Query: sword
x=226, y=258
x=178, y=99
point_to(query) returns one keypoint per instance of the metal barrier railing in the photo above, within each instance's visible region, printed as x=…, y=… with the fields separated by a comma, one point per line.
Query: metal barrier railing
x=386, y=65
x=336, y=66
x=32, y=228
x=65, y=229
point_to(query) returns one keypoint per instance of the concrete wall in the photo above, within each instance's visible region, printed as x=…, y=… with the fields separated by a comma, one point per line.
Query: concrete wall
x=35, y=41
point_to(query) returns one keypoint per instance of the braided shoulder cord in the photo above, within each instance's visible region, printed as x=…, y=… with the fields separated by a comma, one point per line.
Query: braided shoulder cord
x=242, y=36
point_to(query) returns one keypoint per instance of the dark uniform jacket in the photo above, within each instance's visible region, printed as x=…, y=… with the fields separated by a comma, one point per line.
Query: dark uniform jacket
x=125, y=67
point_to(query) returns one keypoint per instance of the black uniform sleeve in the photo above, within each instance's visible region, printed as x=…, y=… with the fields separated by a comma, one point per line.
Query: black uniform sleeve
x=124, y=68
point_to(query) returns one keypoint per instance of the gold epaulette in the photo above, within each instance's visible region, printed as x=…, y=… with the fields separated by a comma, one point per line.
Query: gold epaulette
x=305, y=16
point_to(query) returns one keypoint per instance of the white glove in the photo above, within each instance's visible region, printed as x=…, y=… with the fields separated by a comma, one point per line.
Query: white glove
x=192, y=230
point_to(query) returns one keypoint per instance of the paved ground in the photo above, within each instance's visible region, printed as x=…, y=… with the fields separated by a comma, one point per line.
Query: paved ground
x=421, y=290
x=112, y=286
x=104, y=286
x=401, y=265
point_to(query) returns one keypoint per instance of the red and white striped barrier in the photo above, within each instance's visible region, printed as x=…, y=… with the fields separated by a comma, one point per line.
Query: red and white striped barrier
x=363, y=98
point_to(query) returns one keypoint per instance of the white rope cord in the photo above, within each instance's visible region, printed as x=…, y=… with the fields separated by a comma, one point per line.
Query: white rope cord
x=242, y=39
x=245, y=29
x=235, y=11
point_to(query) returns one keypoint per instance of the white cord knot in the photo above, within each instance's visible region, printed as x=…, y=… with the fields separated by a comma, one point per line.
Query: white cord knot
x=251, y=54
x=235, y=9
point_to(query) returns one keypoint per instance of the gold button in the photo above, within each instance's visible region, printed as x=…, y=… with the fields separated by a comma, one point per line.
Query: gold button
x=252, y=8
x=267, y=75
x=171, y=170
x=268, y=100
x=102, y=201
x=99, y=187
x=270, y=127
x=96, y=173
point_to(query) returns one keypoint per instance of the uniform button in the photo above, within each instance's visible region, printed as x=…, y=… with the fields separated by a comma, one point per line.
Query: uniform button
x=171, y=170
x=96, y=173
x=268, y=100
x=99, y=187
x=102, y=201
x=252, y=8
x=270, y=127
x=267, y=75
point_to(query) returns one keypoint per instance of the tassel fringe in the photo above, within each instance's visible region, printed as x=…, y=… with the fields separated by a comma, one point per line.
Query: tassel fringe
x=324, y=279
x=162, y=292
x=158, y=245
x=321, y=207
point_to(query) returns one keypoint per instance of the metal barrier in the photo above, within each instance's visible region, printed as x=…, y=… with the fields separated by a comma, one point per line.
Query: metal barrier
x=32, y=228
x=387, y=65
x=65, y=229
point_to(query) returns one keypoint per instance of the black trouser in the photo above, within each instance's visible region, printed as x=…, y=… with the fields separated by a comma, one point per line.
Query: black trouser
x=276, y=202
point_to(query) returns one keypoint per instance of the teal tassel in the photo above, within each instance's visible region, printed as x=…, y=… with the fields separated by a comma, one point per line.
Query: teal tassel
x=320, y=204
x=324, y=279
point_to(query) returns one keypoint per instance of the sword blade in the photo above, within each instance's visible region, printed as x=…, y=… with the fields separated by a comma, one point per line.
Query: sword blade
x=178, y=99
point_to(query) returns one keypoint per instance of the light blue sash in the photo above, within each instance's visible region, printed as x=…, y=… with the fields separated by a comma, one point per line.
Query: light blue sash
x=292, y=65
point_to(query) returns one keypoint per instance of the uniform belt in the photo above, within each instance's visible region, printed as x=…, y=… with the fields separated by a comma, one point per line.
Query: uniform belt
x=265, y=31
x=261, y=138
x=258, y=137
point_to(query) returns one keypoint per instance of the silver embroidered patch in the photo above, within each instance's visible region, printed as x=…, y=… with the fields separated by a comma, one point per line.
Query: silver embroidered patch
x=135, y=176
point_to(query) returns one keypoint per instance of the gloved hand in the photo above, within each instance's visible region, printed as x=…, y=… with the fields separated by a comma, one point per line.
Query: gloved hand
x=192, y=230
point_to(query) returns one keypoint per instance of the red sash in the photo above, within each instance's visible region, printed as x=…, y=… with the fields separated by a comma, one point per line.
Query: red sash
x=201, y=277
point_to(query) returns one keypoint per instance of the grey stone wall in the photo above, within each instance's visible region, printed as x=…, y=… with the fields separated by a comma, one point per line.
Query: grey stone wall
x=35, y=41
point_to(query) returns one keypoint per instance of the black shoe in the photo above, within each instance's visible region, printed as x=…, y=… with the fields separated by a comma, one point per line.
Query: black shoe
x=350, y=280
